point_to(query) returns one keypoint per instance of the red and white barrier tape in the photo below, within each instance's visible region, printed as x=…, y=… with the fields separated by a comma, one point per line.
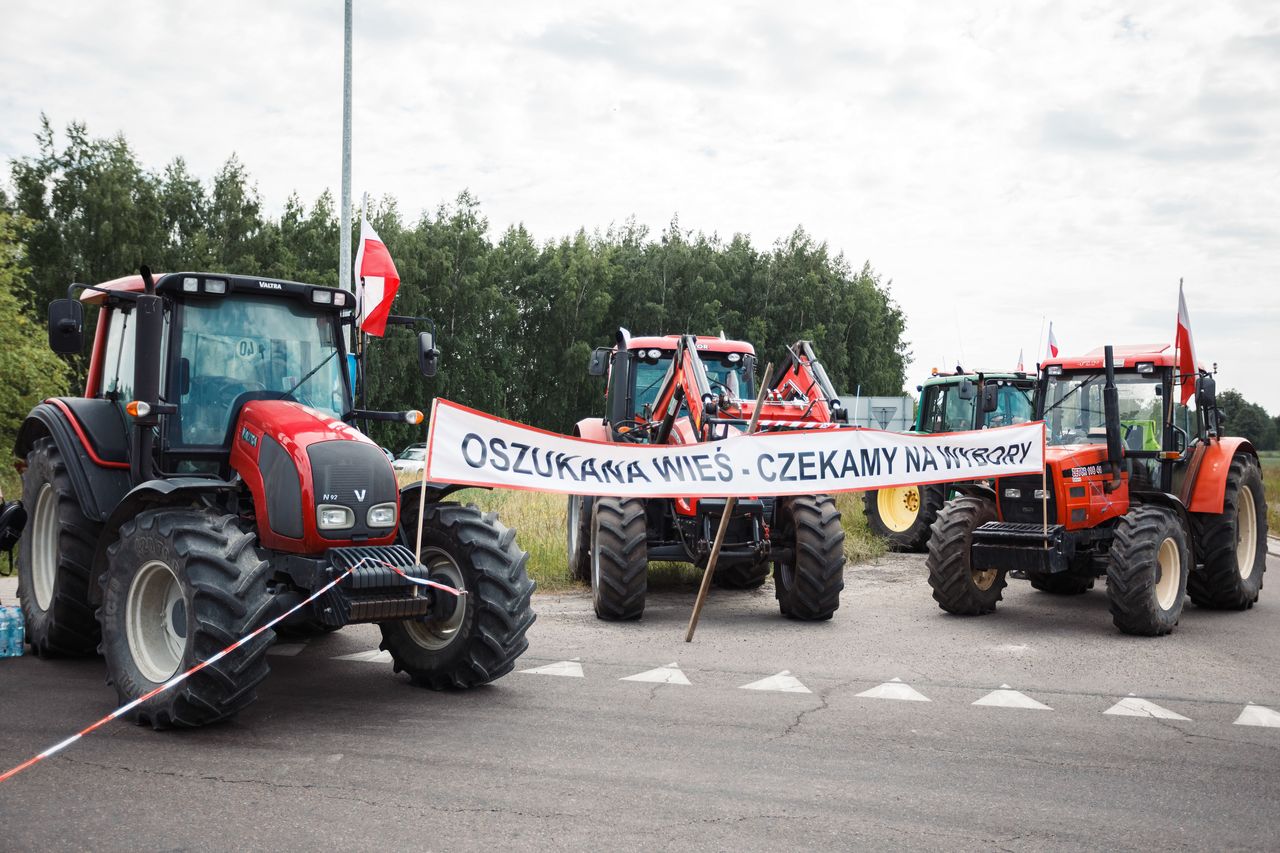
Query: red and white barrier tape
x=178, y=679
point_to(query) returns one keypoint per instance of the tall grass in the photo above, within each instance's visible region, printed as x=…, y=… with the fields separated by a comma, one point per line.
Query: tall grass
x=1271, y=486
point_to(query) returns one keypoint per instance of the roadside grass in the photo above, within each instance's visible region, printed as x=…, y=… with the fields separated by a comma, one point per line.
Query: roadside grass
x=1271, y=486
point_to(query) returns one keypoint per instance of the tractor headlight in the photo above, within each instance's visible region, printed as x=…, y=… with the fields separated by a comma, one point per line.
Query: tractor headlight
x=1013, y=494
x=382, y=515
x=332, y=517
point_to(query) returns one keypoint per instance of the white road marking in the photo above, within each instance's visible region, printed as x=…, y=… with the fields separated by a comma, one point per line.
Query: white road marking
x=895, y=689
x=1132, y=706
x=286, y=649
x=372, y=656
x=1006, y=698
x=1256, y=715
x=669, y=674
x=565, y=668
x=783, y=682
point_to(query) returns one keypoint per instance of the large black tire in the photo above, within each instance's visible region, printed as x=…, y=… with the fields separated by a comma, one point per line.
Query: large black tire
x=54, y=558
x=182, y=586
x=1232, y=544
x=903, y=516
x=1060, y=583
x=485, y=633
x=958, y=586
x=741, y=574
x=808, y=584
x=1147, y=573
x=578, y=545
x=619, y=558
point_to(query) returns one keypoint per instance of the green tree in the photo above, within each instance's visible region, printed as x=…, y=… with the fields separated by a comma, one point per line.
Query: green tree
x=1248, y=420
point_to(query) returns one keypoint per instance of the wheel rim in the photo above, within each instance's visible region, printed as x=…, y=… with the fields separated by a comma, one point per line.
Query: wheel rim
x=1170, y=562
x=44, y=546
x=1246, y=532
x=156, y=621
x=899, y=507
x=984, y=578
x=437, y=634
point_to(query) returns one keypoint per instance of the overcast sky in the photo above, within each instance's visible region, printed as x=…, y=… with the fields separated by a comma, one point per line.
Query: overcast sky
x=1002, y=164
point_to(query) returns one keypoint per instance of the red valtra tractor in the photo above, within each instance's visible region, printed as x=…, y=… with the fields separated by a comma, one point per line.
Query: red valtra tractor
x=678, y=390
x=211, y=478
x=1138, y=487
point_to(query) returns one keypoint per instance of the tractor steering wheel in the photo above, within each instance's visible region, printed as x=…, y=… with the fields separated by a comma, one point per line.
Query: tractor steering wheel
x=228, y=390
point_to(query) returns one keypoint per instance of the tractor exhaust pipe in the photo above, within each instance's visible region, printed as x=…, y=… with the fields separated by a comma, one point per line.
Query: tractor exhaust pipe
x=149, y=328
x=1111, y=412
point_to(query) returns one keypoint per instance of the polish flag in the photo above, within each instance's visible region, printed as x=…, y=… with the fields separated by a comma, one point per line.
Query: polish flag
x=376, y=280
x=1020, y=367
x=1052, y=351
x=1186, y=352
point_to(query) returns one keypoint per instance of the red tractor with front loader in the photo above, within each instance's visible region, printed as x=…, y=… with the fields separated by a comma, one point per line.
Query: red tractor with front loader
x=1138, y=488
x=679, y=390
x=212, y=477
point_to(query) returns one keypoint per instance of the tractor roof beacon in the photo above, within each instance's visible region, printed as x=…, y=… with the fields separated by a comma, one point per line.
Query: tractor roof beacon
x=681, y=389
x=1141, y=489
x=211, y=478
x=949, y=402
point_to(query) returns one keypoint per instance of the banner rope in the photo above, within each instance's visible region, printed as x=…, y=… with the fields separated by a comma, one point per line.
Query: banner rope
x=178, y=679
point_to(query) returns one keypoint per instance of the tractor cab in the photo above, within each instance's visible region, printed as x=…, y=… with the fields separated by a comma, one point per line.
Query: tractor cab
x=957, y=402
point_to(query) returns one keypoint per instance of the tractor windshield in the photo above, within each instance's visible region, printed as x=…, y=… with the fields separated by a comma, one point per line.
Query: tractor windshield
x=1013, y=405
x=265, y=346
x=943, y=410
x=1074, y=412
x=728, y=374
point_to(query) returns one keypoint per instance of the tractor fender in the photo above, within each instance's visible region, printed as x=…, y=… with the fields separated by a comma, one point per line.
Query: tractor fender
x=1167, y=501
x=99, y=482
x=592, y=429
x=1210, y=474
x=976, y=490
x=169, y=492
x=434, y=492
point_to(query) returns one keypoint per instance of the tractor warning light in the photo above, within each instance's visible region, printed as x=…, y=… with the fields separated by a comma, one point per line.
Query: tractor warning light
x=138, y=409
x=413, y=416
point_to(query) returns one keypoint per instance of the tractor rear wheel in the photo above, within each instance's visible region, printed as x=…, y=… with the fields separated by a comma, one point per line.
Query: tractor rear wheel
x=959, y=586
x=1147, y=575
x=485, y=631
x=741, y=574
x=903, y=515
x=1060, y=583
x=54, y=559
x=182, y=586
x=1233, y=543
x=619, y=558
x=808, y=582
x=578, y=522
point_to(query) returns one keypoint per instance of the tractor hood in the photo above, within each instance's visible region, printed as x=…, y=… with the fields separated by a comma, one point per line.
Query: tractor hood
x=316, y=482
x=1080, y=492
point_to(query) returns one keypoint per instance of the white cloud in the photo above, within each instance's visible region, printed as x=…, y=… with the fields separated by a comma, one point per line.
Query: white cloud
x=1000, y=162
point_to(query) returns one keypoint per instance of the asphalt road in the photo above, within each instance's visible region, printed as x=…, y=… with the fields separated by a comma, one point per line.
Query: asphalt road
x=342, y=754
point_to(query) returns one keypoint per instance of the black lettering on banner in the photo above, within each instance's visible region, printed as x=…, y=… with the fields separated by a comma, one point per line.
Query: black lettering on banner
x=1026, y=450
x=889, y=455
x=980, y=456
x=484, y=454
x=850, y=465
x=589, y=470
x=726, y=470
x=610, y=470
x=871, y=462
x=770, y=477
x=635, y=473
x=787, y=458
x=929, y=461
x=703, y=461
x=564, y=470
x=546, y=457
x=827, y=465
x=524, y=449
x=807, y=464
x=668, y=468
x=912, y=458
x=498, y=448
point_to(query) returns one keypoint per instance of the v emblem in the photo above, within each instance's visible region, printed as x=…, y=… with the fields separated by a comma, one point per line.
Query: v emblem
x=360, y=493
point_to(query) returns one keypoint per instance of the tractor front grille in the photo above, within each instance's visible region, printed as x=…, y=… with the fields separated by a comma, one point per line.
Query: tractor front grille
x=1018, y=501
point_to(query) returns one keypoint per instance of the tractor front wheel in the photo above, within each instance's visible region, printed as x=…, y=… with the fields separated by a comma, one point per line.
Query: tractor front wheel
x=54, y=559
x=959, y=586
x=808, y=581
x=482, y=634
x=619, y=558
x=1233, y=543
x=182, y=586
x=1147, y=575
x=902, y=515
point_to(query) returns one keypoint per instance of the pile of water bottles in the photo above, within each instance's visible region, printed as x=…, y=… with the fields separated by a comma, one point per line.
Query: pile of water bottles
x=11, y=631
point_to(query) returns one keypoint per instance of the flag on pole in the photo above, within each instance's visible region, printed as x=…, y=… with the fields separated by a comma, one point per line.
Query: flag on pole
x=376, y=280
x=1186, y=352
x=1052, y=351
x=1021, y=369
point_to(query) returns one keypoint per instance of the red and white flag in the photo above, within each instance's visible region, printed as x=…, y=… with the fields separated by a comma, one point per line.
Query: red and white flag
x=376, y=280
x=1186, y=352
x=1052, y=351
x=1020, y=367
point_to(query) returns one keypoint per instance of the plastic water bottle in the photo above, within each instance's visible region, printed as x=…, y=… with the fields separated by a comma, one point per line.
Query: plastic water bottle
x=11, y=631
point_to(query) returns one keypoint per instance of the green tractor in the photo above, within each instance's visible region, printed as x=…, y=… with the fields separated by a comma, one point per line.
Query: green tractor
x=949, y=402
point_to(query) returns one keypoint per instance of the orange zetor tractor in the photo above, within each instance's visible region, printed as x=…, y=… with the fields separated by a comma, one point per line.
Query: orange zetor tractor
x=211, y=478
x=682, y=389
x=1141, y=489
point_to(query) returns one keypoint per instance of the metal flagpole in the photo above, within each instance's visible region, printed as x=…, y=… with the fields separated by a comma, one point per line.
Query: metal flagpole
x=344, y=244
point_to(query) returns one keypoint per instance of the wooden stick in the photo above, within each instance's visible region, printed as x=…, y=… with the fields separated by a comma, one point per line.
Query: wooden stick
x=724, y=519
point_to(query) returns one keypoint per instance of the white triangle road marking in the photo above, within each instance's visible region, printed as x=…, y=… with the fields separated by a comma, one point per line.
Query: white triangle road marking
x=895, y=689
x=1256, y=715
x=371, y=656
x=286, y=649
x=1132, y=706
x=565, y=668
x=669, y=674
x=1006, y=698
x=783, y=682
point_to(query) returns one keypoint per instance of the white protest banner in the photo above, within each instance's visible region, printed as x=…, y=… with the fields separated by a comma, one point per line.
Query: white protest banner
x=468, y=447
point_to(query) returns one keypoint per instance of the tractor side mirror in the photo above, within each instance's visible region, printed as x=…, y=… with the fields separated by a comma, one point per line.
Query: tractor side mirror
x=428, y=355
x=599, y=365
x=66, y=326
x=965, y=390
x=990, y=398
x=1207, y=392
x=184, y=376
